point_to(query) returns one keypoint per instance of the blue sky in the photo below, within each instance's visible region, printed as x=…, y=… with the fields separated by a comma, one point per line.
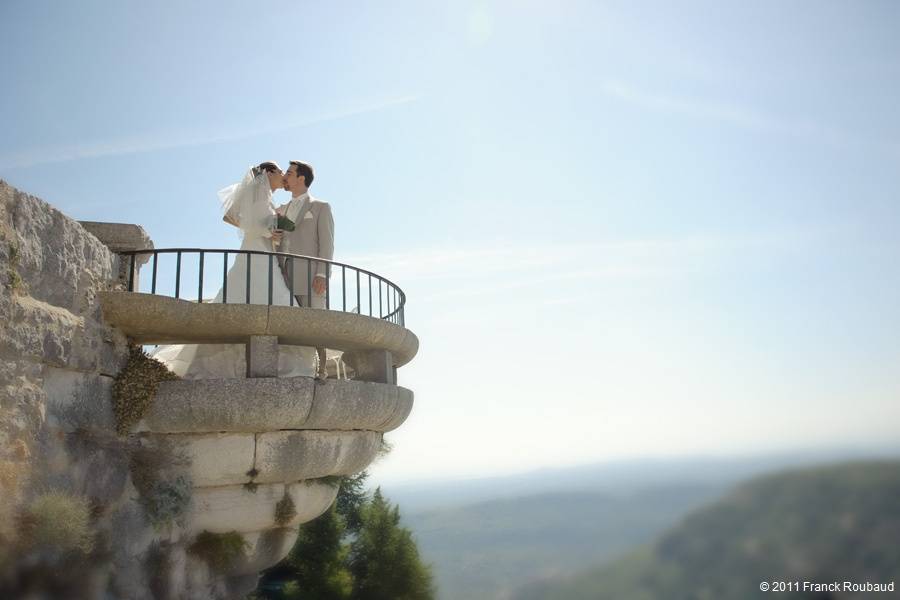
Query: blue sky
x=624, y=229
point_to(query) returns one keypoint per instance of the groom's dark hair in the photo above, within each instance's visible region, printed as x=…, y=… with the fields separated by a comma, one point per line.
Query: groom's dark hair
x=304, y=169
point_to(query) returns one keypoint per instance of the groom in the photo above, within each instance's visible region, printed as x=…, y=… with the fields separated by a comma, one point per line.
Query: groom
x=313, y=235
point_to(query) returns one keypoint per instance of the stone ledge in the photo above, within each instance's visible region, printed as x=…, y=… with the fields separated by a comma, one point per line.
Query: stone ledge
x=230, y=405
x=222, y=459
x=119, y=237
x=271, y=404
x=359, y=405
x=152, y=319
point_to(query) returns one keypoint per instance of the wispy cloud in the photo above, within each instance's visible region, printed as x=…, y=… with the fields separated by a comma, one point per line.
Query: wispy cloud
x=743, y=116
x=501, y=267
x=170, y=140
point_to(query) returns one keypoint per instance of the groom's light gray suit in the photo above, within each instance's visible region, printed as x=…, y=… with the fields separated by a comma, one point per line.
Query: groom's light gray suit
x=313, y=235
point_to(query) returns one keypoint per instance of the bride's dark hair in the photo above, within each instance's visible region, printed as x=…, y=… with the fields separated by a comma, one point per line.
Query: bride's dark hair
x=267, y=166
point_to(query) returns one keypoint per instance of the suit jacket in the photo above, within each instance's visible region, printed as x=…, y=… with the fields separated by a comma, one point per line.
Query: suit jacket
x=313, y=235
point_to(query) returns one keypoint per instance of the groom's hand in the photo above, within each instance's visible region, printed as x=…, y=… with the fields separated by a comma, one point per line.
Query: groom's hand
x=319, y=285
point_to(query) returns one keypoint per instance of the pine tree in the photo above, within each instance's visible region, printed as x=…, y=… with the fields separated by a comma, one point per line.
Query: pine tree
x=317, y=561
x=351, y=499
x=384, y=560
x=357, y=550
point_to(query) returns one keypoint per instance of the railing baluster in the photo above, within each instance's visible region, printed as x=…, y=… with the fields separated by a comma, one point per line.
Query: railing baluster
x=225, y=278
x=177, y=273
x=289, y=265
x=358, y=307
x=380, y=308
x=344, y=287
x=271, y=257
x=153, y=282
x=327, y=288
x=200, y=284
x=309, y=290
x=247, y=261
x=370, y=294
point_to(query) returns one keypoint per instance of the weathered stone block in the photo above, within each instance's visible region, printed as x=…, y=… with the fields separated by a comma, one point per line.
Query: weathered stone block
x=63, y=269
x=236, y=508
x=214, y=405
x=293, y=455
x=218, y=458
x=344, y=405
x=119, y=237
x=266, y=549
x=262, y=356
x=77, y=400
x=99, y=467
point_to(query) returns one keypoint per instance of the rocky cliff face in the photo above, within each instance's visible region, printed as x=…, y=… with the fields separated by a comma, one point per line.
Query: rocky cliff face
x=74, y=519
x=118, y=481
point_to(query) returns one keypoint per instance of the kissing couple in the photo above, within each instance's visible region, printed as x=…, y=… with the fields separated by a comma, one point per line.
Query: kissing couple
x=304, y=226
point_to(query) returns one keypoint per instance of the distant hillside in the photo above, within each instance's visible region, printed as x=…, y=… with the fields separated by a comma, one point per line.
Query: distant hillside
x=485, y=551
x=619, y=477
x=820, y=525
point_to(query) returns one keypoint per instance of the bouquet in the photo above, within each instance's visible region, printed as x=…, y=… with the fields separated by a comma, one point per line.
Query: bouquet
x=282, y=222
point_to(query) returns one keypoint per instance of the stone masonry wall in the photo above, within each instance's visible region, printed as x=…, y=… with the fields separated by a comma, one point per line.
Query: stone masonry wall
x=56, y=352
x=72, y=524
x=57, y=363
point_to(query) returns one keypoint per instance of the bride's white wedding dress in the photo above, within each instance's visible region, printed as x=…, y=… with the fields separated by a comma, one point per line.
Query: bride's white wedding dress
x=249, y=203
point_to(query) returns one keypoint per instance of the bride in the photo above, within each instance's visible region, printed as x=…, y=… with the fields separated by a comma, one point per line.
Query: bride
x=248, y=206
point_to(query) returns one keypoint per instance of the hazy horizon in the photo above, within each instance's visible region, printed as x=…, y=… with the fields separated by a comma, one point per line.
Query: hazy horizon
x=784, y=457
x=623, y=229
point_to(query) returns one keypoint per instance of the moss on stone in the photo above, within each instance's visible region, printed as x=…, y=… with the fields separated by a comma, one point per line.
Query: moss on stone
x=329, y=480
x=285, y=510
x=135, y=387
x=219, y=550
x=14, y=282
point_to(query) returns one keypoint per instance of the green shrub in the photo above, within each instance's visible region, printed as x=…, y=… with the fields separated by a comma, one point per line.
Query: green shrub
x=167, y=500
x=135, y=386
x=291, y=591
x=57, y=521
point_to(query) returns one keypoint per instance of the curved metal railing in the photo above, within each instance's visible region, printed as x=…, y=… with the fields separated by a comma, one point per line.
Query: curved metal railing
x=376, y=296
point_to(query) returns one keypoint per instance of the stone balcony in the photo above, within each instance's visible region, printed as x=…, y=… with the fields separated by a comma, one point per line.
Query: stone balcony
x=252, y=442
